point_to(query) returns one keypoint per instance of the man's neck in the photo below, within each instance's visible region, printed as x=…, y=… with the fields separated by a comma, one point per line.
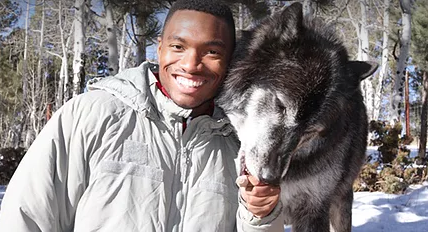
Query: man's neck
x=207, y=108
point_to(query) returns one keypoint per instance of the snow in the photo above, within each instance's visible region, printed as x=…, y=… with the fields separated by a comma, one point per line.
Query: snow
x=391, y=213
x=381, y=212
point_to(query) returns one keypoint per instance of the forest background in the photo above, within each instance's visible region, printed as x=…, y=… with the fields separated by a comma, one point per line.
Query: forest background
x=49, y=49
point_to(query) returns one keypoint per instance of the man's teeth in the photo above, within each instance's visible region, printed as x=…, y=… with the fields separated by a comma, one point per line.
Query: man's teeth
x=189, y=83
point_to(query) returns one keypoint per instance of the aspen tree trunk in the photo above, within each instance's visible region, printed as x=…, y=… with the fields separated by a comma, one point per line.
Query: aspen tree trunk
x=113, y=59
x=127, y=55
x=39, y=91
x=364, y=42
x=141, y=43
x=26, y=124
x=63, y=74
x=25, y=61
x=123, y=44
x=397, y=92
x=384, y=64
x=79, y=47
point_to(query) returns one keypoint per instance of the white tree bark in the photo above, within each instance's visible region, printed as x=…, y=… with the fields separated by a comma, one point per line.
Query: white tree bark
x=64, y=91
x=25, y=60
x=364, y=56
x=123, y=44
x=405, y=38
x=38, y=92
x=63, y=73
x=79, y=47
x=28, y=132
x=127, y=55
x=384, y=64
x=113, y=57
x=141, y=43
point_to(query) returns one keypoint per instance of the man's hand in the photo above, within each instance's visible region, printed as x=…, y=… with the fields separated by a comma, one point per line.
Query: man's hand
x=260, y=198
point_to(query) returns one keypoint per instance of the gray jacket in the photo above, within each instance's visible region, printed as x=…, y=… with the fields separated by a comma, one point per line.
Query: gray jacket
x=116, y=159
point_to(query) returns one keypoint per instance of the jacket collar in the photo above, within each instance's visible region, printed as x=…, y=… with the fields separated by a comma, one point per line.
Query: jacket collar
x=139, y=88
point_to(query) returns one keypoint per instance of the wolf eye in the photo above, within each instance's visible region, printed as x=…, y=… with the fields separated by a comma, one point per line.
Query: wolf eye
x=281, y=107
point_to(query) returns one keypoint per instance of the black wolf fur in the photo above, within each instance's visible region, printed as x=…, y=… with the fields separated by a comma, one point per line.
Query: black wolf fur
x=316, y=160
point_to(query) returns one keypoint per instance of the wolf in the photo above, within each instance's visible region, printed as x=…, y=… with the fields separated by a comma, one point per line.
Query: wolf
x=294, y=98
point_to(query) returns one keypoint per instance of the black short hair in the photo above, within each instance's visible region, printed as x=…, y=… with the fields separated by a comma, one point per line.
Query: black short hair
x=214, y=7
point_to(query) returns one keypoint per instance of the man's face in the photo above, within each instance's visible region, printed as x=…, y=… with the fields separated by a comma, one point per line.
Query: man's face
x=194, y=52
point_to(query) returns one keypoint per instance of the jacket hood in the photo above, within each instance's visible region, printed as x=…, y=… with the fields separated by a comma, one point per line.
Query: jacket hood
x=137, y=88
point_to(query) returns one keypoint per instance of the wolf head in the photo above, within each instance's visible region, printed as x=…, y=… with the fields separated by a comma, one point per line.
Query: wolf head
x=288, y=85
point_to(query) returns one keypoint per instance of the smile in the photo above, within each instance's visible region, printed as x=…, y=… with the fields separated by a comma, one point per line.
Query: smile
x=189, y=83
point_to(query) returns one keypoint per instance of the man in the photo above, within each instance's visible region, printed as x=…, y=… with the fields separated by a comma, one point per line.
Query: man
x=143, y=151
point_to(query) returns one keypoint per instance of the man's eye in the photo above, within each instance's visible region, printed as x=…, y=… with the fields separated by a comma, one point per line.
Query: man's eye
x=213, y=52
x=177, y=47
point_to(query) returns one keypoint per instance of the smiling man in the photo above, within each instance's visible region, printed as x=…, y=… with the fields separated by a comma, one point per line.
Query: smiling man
x=194, y=51
x=146, y=150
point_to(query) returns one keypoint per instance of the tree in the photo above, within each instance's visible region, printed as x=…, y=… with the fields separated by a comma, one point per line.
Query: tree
x=363, y=55
x=113, y=53
x=405, y=38
x=420, y=56
x=109, y=23
x=145, y=27
x=10, y=83
x=79, y=47
x=384, y=62
x=9, y=14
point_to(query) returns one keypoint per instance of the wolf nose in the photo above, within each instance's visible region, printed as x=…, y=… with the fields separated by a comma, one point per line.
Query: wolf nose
x=270, y=180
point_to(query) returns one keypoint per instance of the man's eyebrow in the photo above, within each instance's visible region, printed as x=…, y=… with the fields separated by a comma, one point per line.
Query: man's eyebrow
x=175, y=37
x=215, y=42
x=218, y=43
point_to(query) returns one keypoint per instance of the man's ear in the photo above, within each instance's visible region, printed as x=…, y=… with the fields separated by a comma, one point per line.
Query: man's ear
x=158, y=49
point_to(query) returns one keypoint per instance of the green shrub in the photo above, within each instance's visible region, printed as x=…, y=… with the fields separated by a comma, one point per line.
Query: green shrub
x=394, y=171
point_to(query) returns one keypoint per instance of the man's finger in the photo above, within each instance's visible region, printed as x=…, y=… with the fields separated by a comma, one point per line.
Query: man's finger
x=264, y=190
x=254, y=181
x=261, y=201
x=242, y=181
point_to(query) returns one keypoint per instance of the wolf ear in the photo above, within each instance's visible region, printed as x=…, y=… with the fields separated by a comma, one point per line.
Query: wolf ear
x=363, y=69
x=311, y=133
x=292, y=16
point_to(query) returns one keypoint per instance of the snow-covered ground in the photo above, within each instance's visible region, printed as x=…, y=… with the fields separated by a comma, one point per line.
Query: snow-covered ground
x=380, y=212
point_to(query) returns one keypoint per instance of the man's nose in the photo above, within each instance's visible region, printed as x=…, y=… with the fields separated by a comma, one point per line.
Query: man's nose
x=191, y=62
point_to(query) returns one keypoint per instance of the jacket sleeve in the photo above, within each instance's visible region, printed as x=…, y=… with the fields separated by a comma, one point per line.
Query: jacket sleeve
x=46, y=187
x=247, y=222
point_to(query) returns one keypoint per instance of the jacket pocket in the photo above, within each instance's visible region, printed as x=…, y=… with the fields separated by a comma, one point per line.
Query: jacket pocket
x=130, y=168
x=134, y=151
x=216, y=187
